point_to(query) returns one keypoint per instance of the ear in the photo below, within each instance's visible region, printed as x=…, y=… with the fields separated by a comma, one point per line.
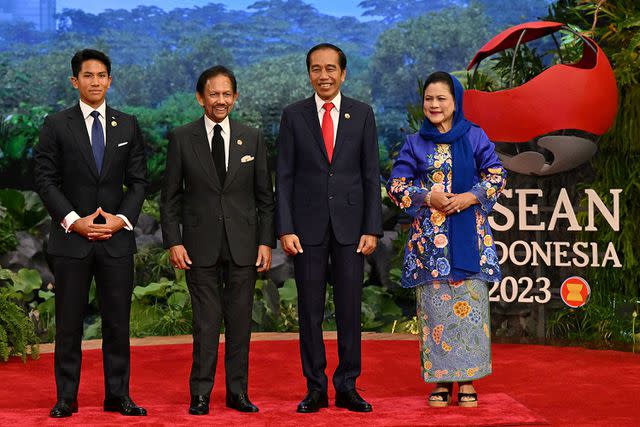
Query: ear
x=200, y=99
x=343, y=75
x=74, y=81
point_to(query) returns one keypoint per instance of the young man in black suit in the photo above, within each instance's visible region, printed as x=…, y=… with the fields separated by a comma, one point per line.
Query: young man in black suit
x=218, y=188
x=86, y=155
x=328, y=207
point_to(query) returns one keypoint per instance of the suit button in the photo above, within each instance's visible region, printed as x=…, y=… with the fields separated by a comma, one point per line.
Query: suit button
x=220, y=218
x=330, y=197
x=330, y=173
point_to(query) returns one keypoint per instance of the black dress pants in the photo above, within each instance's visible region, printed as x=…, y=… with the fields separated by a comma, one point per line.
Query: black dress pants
x=223, y=291
x=347, y=272
x=114, y=283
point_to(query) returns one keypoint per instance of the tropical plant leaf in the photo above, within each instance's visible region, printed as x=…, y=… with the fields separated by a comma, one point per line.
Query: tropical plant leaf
x=288, y=291
x=156, y=289
x=26, y=281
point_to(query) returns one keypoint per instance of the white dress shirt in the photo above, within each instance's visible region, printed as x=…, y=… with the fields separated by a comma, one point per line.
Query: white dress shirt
x=86, y=109
x=88, y=118
x=335, y=112
x=226, y=135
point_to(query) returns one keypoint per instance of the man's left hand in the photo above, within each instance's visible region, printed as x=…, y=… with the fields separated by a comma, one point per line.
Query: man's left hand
x=263, y=262
x=367, y=245
x=112, y=225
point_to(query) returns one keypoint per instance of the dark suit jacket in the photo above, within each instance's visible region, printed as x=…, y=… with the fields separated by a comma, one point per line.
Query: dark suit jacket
x=67, y=179
x=310, y=191
x=192, y=195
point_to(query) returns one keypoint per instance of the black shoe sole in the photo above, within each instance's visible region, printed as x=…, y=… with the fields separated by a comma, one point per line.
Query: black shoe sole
x=246, y=411
x=112, y=409
x=73, y=411
x=340, y=405
x=312, y=410
x=60, y=415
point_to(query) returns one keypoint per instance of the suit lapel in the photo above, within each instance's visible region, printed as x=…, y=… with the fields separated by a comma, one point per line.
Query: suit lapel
x=311, y=116
x=234, y=152
x=78, y=129
x=345, y=107
x=202, y=151
x=113, y=138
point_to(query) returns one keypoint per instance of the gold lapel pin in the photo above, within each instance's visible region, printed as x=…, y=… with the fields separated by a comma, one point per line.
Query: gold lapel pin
x=239, y=142
x=347, y=116
x=113, y=122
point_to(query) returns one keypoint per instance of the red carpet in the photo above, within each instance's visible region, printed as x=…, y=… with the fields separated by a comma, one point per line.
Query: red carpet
x=531, y=385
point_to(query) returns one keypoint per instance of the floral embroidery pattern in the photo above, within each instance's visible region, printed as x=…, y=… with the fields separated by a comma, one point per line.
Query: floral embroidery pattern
x=427, y=254
x=461, y=309
x=437, y=333
x=453, y=316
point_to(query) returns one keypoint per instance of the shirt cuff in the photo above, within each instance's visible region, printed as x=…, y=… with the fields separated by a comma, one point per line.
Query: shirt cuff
x=128, y=225
x=68, y=221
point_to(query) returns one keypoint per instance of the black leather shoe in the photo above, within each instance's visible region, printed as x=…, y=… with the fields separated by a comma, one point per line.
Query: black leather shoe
x=64, y=408
x=125, y=406
x=352, y=401
x=313, y=401
x=241, y=402
x=199, y=405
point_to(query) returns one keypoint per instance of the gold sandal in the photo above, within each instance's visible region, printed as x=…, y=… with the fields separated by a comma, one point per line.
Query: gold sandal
x=471, y=400
x=440, y=399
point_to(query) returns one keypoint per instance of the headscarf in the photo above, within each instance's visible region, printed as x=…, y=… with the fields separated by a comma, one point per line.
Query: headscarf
x=465, y=258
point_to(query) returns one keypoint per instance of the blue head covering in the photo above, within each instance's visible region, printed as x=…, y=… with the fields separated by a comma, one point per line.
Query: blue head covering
x=465, y=258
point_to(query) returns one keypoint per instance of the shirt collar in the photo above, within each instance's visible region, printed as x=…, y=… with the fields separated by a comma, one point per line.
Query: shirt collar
x=320, y=102
x=209, y=125
x=87, y=110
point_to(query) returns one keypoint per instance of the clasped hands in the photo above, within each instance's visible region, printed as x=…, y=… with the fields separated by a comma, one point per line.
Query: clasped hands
x=291, y=244
x=450, y=203
x=86, y=227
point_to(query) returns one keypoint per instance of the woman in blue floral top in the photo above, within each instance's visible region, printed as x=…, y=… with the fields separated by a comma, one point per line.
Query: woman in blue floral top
x=448, y=177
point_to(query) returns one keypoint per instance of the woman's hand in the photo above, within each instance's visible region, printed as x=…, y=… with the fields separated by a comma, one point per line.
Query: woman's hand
x=440, y=200
x=458, y=202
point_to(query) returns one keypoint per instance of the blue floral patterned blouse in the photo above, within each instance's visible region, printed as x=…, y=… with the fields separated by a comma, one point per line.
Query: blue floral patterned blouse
x=423, y=166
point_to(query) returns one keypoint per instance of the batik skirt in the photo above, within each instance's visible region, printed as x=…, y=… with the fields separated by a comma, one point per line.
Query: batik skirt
x=455, y=340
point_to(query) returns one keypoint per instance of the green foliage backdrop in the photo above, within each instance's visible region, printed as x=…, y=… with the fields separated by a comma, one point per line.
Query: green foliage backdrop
x=158, y=54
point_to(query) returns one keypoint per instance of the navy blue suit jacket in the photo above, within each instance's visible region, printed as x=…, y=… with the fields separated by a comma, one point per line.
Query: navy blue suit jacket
x=311, y=192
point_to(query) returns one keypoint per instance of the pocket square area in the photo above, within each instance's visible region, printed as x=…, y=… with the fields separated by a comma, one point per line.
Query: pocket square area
x=246, y=159
x=123, y=143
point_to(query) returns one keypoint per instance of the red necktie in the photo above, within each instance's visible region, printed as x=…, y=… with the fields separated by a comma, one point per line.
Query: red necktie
x=327, y=129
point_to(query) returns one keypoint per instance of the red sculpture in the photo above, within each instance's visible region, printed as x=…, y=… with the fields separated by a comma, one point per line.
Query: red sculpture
x=564, y=97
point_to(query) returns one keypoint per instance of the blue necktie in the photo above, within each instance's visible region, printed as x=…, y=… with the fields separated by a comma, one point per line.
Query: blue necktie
x=97, y=140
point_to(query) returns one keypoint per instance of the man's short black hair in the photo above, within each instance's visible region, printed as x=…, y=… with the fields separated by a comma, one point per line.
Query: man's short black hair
x=85, y=55
x=212, y=72
x=439, y=77
x=342, y=57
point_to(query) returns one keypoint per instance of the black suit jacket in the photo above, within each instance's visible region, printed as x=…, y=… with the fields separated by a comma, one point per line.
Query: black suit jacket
x=310, y=191
x=192, y=195
x=67, y=179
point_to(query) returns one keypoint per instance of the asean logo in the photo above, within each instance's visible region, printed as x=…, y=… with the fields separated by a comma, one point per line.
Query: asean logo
x=575, y=291
x=550, y=123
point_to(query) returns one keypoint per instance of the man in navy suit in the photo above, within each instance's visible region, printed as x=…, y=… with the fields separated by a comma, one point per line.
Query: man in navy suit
x=328, y=207
x=86, y=155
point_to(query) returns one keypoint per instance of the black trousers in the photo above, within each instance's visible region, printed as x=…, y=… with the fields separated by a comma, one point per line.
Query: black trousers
x=114, y=283
x=223, y=291
x=347, y=271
